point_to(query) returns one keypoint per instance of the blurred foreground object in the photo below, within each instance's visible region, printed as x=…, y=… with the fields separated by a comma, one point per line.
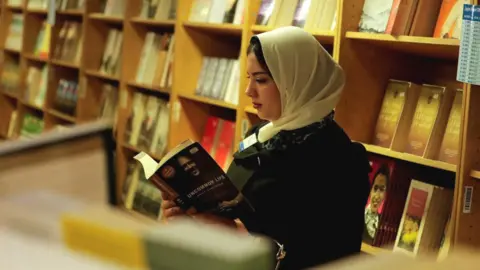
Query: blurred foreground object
x=460, y=259
x=21, y=252
x=77, y=162
x=184, y=244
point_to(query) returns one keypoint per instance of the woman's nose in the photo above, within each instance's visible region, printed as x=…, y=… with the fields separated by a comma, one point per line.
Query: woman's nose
x=249, y=91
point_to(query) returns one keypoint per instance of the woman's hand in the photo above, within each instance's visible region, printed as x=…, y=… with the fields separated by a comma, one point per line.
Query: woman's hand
x=170, y=208
x=213, y=219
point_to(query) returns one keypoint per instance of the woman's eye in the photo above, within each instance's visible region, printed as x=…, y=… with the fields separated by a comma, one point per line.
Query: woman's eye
x=260, y=80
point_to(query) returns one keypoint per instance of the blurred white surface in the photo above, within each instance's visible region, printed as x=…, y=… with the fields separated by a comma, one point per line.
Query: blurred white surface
x=21, y=252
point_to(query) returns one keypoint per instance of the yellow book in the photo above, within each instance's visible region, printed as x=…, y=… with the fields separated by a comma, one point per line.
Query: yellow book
x=44, y=49
x=106, y=233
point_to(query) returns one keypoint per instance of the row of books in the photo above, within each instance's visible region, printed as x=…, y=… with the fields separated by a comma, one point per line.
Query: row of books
x=68, y=46
x=43, y=4
x=422, y=120
x=66, y=97
x=37, y=4
x=42, y=45
x=70, y=5
x=36, y=85
x=147, y=124
x=410, y=214
x=308, y=14
x=114, y=8
x=11, y=126
x=14, y=38
x=33, y=124
x=159, y=9
x=217, y=11
x=219, y=79
x=139, y=194
x=218, y=140
x=439, y=19
x=156, y=59
x=111, y=58
x=10, y=77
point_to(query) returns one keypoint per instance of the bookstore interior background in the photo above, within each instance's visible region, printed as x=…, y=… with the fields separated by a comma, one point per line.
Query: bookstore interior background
x=163, y=71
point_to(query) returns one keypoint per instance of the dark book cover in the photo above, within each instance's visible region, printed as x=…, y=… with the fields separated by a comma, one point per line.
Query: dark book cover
x=195, y=181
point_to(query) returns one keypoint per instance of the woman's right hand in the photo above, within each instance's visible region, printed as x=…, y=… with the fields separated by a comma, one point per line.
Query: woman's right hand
x=170, y=208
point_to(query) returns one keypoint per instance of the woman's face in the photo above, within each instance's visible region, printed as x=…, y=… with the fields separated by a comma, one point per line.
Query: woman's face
x=377, y=194
x=262, y=90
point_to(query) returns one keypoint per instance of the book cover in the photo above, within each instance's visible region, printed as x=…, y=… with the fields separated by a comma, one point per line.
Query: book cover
x=390, y=112
x=190, y=176
x=450, y=144
x=426, y=114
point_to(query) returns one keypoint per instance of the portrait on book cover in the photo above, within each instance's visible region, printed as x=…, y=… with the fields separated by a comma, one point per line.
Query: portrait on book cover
x=378, y=192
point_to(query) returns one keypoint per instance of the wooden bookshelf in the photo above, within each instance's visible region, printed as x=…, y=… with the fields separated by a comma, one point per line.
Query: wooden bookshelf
x=369, y=61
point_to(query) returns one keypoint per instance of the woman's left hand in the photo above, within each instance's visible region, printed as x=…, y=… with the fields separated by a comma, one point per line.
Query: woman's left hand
x=214, y=219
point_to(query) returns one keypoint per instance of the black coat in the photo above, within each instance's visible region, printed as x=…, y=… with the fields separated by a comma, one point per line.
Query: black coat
x=310, y=197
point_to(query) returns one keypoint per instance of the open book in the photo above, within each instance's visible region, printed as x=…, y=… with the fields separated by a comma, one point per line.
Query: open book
x=192, y=178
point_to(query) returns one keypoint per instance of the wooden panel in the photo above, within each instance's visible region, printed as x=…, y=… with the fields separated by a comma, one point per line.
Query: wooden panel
x=466, y=232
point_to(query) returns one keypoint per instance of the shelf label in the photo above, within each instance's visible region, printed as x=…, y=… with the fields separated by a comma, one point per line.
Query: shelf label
x=467, y=200
x=468, y=69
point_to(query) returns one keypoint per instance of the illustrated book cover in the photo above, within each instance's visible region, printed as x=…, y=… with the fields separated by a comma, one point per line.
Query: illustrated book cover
x=192, y=178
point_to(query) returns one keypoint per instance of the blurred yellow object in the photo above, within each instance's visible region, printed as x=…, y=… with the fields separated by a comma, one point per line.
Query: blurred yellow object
x=409, y=238
x=107, y=233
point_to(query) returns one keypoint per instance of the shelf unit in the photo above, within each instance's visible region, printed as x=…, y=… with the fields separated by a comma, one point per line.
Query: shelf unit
x=369, y=60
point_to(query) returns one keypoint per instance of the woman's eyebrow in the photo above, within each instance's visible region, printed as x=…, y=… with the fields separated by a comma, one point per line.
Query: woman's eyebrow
x=259, y=72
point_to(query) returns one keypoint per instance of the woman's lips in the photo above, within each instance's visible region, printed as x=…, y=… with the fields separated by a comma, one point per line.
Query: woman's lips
x=257, y=105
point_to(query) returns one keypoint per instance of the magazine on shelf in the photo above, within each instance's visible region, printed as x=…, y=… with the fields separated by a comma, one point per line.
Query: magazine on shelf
x=192, y=178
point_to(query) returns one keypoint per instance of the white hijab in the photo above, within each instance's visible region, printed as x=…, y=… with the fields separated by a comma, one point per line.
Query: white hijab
x=309, y=80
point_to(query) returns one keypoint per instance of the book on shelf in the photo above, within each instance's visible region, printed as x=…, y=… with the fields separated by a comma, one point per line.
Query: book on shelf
x=424, y=18
x=193, y=179
x=424, y=219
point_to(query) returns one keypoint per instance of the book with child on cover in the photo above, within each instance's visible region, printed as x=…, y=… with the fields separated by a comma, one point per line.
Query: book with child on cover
x=192, y=178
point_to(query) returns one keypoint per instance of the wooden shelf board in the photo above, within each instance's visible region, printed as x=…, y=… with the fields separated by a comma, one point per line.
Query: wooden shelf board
x=33, y=106
x=106, y=18
x=8, y=94
x=66, y=64
x=14, y=51
x=475, y=174
x=373, y=250
x=321, y=36
x=62, y=116
x=153, y=22
x=72, y=12
x=100, y=75
x=250, y=110
x=15, y=8
x=410, y=158
x=425, y=46
x=37, y=11
x=210, y=101
x=224, y=29
x=33, y=57
x=149, y=87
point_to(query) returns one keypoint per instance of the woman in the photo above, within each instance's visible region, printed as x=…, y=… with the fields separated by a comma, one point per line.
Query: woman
x=306, y=180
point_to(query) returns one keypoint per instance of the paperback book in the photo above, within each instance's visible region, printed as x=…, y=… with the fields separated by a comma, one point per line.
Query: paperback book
x=192, y=178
